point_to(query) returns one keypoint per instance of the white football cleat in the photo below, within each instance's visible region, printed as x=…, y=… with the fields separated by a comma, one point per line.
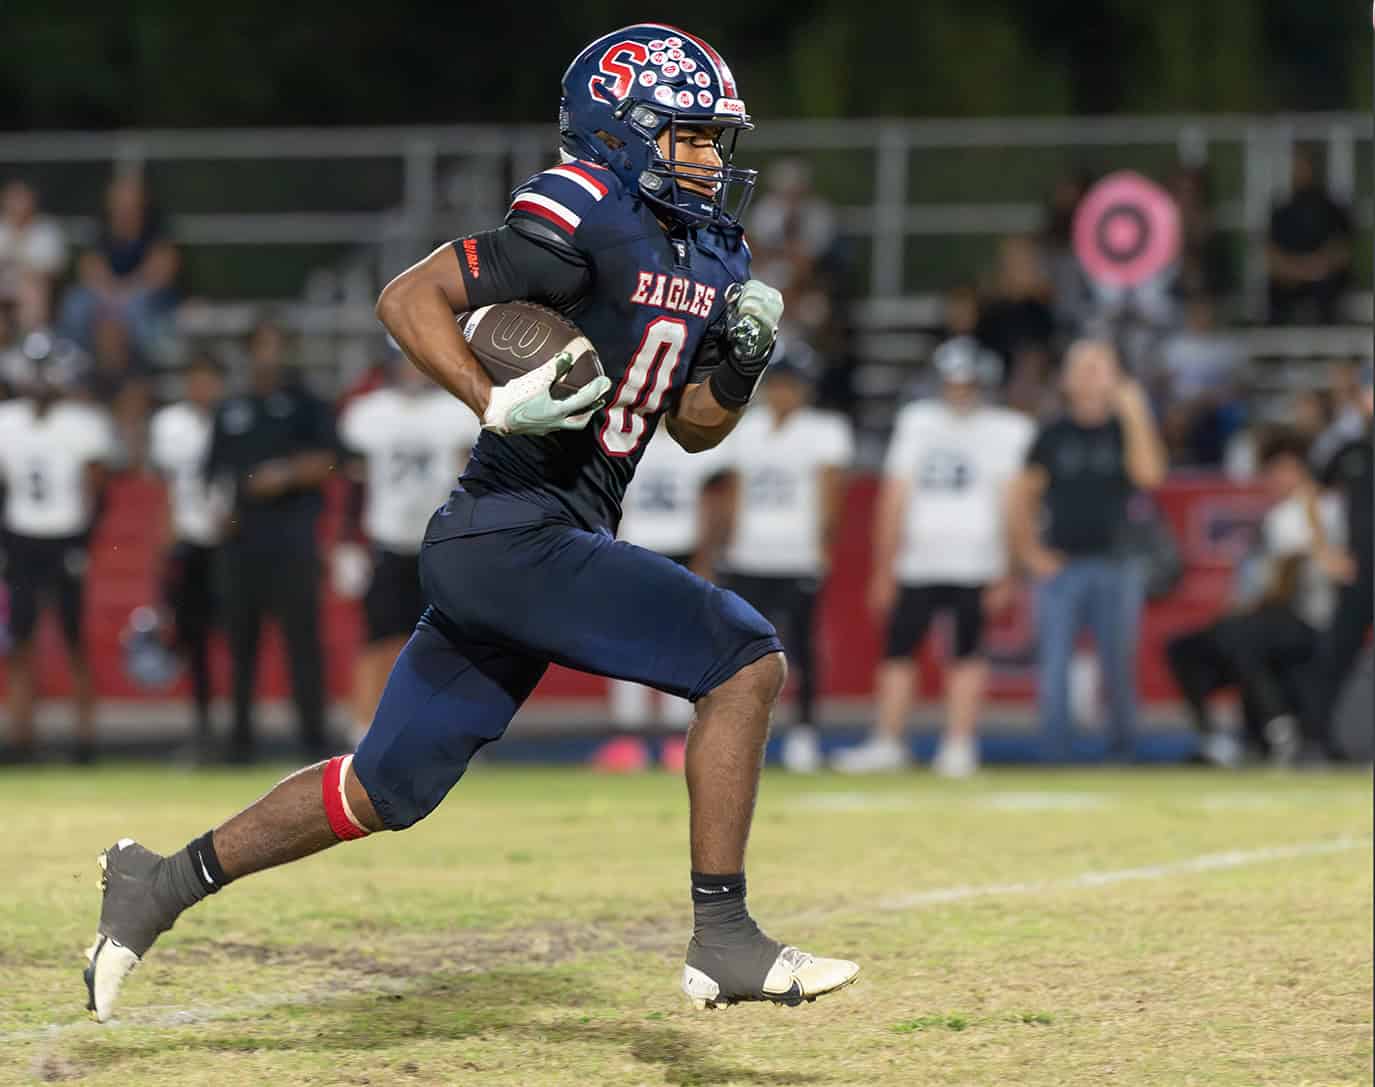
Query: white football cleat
x=132, y=916
x=877, y=755
x=109, y=963
x=795, y=977
x=801, y=751
x=956, y=759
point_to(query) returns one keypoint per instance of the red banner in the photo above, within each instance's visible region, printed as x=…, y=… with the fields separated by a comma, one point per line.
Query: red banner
x=1213, y=521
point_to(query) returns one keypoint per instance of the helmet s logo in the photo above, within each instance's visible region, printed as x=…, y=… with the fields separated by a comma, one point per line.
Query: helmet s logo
x=616, y=77
x=519, y=335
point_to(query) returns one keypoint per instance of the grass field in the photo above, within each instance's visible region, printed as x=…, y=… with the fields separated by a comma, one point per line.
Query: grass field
x=1029, y=928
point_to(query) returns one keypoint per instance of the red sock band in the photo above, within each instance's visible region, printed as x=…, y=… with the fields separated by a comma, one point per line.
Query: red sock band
x=341, y=820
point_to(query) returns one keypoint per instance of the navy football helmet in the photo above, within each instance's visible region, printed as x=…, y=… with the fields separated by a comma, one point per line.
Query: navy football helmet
x=629, y=86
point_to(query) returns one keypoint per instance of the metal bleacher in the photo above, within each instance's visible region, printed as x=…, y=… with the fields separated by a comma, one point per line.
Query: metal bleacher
x=325, y=216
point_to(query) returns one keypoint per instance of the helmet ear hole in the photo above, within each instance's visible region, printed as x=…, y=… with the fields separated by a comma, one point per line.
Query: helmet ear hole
x=613, y=142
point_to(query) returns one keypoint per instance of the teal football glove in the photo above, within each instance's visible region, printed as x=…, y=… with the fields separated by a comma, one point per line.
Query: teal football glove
x=524, y=405
x=753, y=312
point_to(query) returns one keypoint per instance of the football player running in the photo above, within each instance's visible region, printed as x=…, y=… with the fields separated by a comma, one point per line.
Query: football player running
x=635, y=236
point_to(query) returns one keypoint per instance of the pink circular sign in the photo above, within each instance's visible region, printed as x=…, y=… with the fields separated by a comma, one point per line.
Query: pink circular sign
x=1126, y=230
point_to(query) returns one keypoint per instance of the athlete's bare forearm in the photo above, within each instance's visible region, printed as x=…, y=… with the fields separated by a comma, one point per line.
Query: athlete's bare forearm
x=417, y=308
x=700, y=422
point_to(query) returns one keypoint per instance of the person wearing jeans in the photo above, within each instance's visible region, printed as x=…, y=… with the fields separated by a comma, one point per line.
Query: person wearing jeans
x=1080, y=474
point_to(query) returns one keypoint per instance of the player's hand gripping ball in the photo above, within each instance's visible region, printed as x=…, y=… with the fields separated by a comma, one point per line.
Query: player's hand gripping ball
x=546, y=375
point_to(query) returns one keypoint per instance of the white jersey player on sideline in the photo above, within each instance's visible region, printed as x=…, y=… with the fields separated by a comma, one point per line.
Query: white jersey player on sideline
x=178, y=443
x=662, y=511
x=413, y=439
x=940, y=545
x=787, y=463
x=53, y=453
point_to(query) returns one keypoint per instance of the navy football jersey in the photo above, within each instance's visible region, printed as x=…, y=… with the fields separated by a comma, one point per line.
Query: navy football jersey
x=644, y=298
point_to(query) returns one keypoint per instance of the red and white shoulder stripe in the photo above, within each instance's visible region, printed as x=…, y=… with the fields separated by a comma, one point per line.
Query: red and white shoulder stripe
x=563, y=194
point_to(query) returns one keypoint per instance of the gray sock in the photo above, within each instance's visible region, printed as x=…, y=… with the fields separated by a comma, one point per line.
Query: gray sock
x=727, y=945
x=145, y=894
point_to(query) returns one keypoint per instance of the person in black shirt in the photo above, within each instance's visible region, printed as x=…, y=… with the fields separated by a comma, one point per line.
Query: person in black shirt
x=1080, y=473
x=273, y=448
x=1351, y=473
x=1309, y=255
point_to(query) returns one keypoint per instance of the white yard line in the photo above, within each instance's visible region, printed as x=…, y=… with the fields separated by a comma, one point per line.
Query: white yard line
x=1208, y=862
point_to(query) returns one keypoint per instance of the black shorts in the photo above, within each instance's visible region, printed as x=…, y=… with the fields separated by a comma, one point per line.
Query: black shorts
x=918, y=605
x=394, y=601
x=41, y=570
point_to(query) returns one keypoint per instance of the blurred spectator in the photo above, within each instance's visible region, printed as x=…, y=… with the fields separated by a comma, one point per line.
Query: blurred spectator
x=1306, y=412
x=1347, y=419
x=940, y=547
x=53, y=452
x=1070, y=293
x=131, y=272
x=1081, y=472
x=1310, y=413
x=410, y=439
x=179, y=440
x=32, y=246
x=792, y=235
x=1199, y=369
x=1309, y=254
x=121, y=383
x=272, y=448
x=788, y=464
x=1263, y=645
x=1205, y=264
x=961, y=311
x=790, y=220
x=1350, y=474
x=1016, y=321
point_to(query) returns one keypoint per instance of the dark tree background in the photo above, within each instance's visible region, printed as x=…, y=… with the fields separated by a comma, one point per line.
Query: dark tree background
x=189, y=63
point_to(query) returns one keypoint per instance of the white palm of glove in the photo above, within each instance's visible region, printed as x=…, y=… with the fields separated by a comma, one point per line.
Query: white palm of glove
x=524, y=404
x=755, y=313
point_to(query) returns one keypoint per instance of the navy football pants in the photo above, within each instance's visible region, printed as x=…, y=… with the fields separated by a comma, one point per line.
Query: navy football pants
x=504, y=603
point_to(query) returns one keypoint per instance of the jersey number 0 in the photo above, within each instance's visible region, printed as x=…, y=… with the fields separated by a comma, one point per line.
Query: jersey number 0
x=641, y=391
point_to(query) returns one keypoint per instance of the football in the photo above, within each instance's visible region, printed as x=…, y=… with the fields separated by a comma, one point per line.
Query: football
x=513, y=338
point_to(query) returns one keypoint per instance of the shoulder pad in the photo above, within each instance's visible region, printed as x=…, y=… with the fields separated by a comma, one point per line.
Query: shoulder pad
x=561, y=197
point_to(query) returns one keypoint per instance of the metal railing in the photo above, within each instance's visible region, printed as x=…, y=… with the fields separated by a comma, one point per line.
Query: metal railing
x=455, y=178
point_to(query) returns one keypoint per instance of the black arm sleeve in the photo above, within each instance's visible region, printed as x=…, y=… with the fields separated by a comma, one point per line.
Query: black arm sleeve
x=711, y=352
x=522, y=264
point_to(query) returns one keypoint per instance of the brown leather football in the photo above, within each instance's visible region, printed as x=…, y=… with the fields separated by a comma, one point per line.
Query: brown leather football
x=513, y=338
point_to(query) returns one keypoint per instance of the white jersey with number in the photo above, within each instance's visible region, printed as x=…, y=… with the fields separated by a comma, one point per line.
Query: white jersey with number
x=958, y=467
x=178, y=441
x=414, y=444
x=661, y=505
x=778, y=523
x=43, y=458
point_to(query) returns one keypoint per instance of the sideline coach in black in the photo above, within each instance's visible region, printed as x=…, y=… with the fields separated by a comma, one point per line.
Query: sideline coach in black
x=273, y=446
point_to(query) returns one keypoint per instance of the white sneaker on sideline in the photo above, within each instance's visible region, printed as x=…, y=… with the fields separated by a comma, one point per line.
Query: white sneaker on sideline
x=1285, y=740
x=876, y=755
x=1222, y=749
x=801, y=751
x=956, y=759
